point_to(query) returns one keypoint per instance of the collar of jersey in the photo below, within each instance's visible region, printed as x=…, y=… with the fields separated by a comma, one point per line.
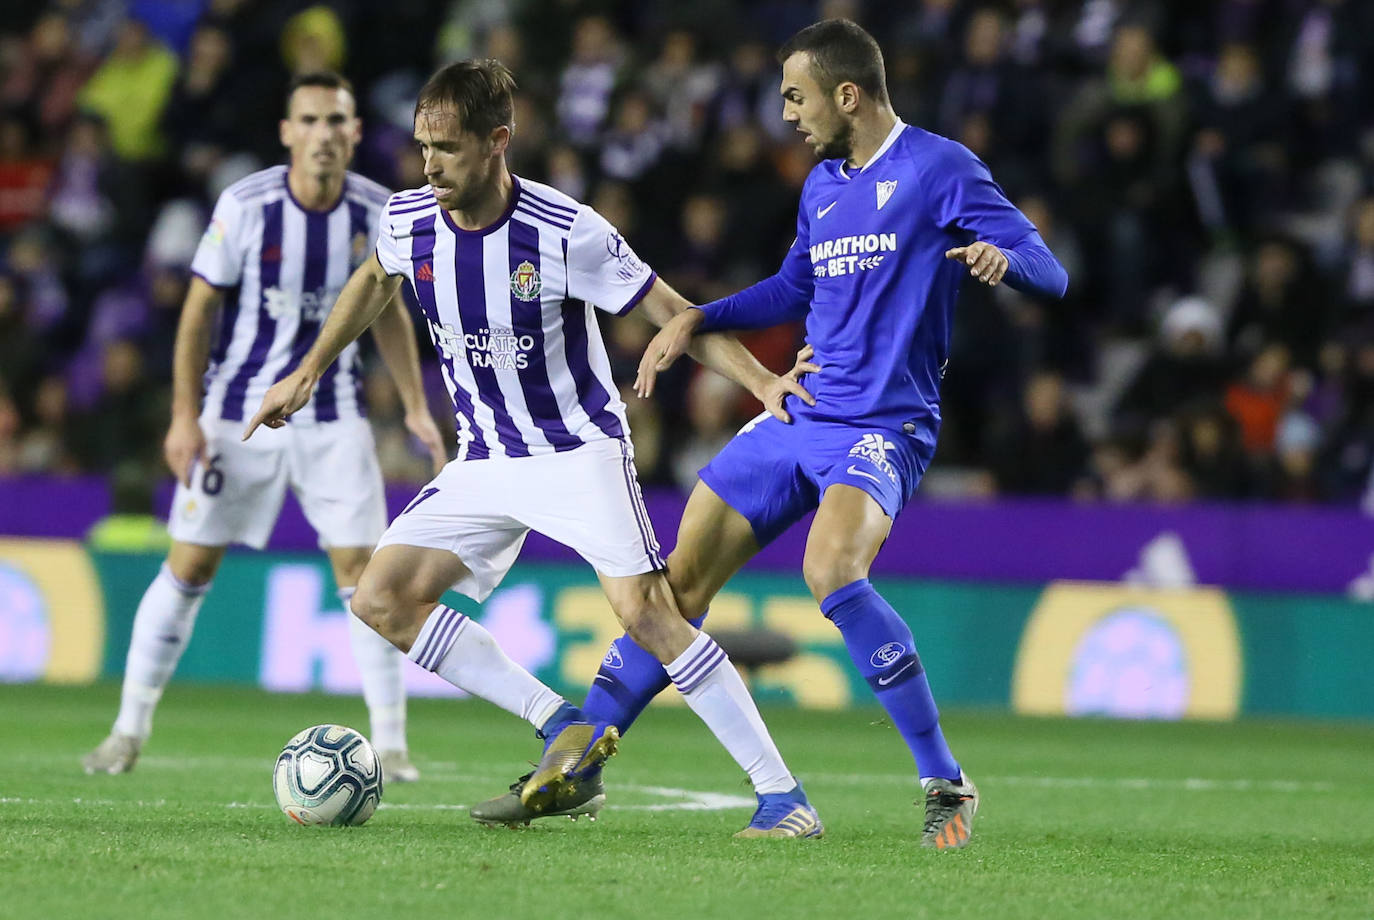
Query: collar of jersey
x=877, y=155
x=290, y=196
x=494, y=225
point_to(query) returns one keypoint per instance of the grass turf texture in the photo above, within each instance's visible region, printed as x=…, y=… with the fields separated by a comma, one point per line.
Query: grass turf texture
x=1079, y=819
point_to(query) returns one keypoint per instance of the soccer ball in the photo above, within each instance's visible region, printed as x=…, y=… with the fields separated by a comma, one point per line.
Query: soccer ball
x=328, y=774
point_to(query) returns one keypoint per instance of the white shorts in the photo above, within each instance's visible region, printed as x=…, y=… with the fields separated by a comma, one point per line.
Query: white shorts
x=238, y=486
x=587, y=499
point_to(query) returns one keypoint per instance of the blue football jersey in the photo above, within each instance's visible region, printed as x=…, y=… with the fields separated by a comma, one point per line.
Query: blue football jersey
x=868, y=272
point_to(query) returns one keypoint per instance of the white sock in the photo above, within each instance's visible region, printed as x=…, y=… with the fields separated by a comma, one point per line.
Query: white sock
x=162, y=628
x=716, y=693
x=384, y=684
x=462, y=652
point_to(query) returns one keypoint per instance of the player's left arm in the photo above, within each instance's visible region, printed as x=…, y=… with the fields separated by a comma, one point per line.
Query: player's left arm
x=394, y=333
x=996, y=240
x=604, y=270
x=724, y=354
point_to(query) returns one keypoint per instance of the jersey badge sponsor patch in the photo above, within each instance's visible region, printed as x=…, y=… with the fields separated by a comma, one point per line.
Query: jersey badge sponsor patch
x=214, y=234
x=630, y=265
x=525, y=282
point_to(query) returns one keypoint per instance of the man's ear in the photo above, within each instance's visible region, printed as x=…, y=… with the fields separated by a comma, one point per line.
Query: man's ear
x=500, y=140
x=847, y=97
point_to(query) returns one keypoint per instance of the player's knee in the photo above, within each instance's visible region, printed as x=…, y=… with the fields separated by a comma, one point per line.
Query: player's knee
x=644, y=617
x=380, y=605
x=690, y=591
x=827, y=572
x=193, y=569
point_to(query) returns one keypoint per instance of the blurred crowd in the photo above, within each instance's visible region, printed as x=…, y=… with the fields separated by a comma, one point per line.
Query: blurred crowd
x=1205, y=172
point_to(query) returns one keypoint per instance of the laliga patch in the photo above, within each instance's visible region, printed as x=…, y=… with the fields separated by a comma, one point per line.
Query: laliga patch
x=214, y=234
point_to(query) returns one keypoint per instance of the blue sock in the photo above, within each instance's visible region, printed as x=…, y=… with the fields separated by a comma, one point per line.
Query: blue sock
x=556, y=722
x=881, y=646
x=629, y=678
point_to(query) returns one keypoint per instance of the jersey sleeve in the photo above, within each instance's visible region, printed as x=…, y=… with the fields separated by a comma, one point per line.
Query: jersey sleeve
x=969, y=205
x=602, y=268
x=219, y=257
x=778, y=299
x=388, y=246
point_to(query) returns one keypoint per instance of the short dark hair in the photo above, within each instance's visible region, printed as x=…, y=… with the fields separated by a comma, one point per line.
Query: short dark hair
x=841, y=52
x=481, y=93
x=326, y=79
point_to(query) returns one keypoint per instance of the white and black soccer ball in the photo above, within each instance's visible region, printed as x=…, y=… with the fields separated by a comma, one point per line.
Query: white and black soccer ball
x=328, y=774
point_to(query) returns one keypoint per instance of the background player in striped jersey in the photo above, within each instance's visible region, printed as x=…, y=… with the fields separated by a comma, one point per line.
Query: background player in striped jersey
x=888, y=224
x=506, y=272
x=280, y=246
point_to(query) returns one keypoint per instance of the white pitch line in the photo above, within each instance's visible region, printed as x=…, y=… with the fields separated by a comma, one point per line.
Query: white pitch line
x=689, y=800
x=1138, y=783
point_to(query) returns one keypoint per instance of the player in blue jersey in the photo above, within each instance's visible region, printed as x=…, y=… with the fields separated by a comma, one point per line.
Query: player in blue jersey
x=890, y=222
x=280, y=246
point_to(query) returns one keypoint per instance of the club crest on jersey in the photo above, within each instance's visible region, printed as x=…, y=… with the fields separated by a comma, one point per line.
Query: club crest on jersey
x=885, y=190
x=525, y=282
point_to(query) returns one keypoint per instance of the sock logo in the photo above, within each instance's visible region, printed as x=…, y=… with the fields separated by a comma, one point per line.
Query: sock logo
x=613, y=659
x=887, y=656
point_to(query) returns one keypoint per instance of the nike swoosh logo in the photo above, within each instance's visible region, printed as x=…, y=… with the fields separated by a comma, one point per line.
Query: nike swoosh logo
x=853, y=472
x=821, y=212
x=884, y=681
x=602, y=677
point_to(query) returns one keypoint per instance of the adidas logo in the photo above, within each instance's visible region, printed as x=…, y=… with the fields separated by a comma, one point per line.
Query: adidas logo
x=425, y=272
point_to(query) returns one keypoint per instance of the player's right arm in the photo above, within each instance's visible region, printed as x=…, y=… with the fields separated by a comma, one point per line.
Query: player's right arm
x=724, y=354
x=362, y=300
x=185, y=442
x=781, y=298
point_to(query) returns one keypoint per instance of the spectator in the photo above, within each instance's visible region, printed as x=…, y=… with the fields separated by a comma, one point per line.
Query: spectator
x=1041, y=451
x=130, y=90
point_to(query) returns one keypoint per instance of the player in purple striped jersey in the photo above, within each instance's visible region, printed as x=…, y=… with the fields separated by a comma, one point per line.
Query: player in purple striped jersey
x=507, y=273
x=280, y=246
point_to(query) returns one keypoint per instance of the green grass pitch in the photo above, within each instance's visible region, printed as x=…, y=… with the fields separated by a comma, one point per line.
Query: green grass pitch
x=1080, y=819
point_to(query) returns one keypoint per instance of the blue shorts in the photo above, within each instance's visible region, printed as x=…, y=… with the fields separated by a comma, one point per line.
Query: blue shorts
x=774, y=473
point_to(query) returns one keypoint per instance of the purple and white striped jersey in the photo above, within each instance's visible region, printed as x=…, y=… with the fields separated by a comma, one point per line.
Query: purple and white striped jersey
x=510, y=311
x=283, y=267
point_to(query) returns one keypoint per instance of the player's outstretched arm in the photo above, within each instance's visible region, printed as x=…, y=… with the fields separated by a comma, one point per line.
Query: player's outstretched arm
x=395, y=336
x=185, y=442
x=362, y=299
x=1000, y=242
x=720, y=352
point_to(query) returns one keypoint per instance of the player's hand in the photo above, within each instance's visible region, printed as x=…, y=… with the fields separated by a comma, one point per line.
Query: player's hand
x=421, y=424
x=775, y=392
x=985, y=261
x=284, y=398
x=665, y=348
x=183, y=446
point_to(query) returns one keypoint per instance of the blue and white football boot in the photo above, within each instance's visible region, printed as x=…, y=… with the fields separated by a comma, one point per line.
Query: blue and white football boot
x=784, y=814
